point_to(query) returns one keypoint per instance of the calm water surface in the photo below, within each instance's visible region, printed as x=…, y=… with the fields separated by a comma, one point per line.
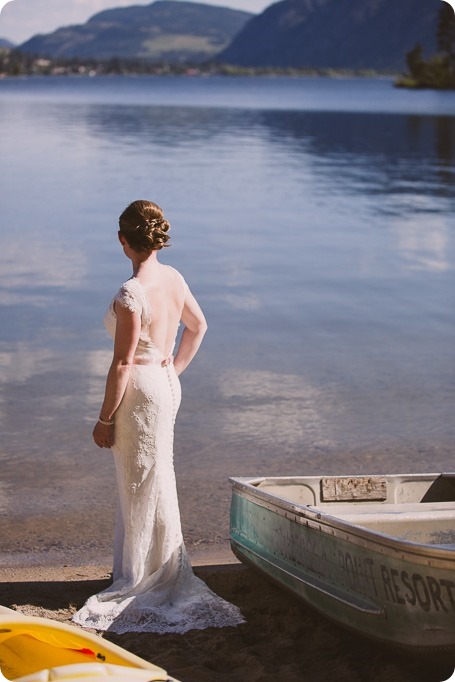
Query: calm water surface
x=313, y=219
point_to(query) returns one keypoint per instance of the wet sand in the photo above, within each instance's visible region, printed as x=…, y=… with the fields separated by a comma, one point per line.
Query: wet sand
x=281, y=639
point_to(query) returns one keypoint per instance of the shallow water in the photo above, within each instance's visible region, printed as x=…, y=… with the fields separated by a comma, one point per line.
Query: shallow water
x=313, y=219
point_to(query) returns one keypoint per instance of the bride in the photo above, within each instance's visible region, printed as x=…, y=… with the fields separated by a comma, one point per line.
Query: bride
x=154, y=588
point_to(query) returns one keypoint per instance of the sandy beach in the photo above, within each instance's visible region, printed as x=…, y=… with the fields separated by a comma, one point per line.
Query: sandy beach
x=281, y=639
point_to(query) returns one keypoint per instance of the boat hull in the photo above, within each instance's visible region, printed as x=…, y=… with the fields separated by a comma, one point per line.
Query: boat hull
x=396, y=591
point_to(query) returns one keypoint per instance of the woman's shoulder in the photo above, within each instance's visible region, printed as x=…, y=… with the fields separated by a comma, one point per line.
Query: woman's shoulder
x=130, y=295
x=177, y=274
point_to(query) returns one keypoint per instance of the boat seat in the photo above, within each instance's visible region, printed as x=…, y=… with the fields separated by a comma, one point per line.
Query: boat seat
x=428, y=523
x=416, y=509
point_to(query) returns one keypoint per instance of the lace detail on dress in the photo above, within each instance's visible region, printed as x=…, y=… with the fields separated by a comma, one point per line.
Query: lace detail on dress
x=178, y=602
x=131, y=296
x=154, y=588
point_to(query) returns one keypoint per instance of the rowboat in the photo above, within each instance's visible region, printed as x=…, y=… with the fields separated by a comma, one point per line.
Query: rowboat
x=40, y=650
x=373, y=553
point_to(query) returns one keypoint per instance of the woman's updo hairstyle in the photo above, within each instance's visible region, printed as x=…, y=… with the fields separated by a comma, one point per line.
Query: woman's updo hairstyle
x=144, y=226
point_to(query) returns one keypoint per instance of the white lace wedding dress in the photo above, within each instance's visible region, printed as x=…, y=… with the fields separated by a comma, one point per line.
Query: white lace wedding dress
x=154, y=588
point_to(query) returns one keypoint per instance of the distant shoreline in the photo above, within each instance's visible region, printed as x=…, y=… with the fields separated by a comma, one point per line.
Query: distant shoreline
x=83, y=76
x=14, y=63
x=409, y=83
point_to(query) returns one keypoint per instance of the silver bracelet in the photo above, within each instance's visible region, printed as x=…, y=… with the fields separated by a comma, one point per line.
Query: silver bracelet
x=101, y=421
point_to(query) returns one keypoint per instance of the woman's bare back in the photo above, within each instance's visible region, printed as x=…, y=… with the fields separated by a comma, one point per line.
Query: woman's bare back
x=165, y=290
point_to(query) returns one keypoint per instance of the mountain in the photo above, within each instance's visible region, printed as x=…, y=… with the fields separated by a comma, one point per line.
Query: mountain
x=166, y=30
x=6, y=43
x=340, y=34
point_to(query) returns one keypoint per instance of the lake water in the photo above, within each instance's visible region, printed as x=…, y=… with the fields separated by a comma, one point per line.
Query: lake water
x=314, y=220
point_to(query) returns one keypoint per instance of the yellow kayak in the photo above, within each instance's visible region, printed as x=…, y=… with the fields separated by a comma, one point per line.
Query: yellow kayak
x=40, y=650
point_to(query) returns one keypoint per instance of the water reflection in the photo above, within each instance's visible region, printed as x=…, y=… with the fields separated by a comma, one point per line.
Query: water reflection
x=163, y=127
x=320, y=245
x=386, y=159
x=18, y=365
x=423, y=242
x=272, y=407
x=372, y=153
x=21, y=363
x=97, y=364
x=38, y=264
x=242, y=301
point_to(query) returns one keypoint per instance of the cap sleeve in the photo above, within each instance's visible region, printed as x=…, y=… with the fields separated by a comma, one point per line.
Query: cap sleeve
x=128, y=299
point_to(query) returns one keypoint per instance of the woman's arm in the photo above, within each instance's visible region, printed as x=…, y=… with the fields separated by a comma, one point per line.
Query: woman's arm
x=195, y=328
x=126, y=339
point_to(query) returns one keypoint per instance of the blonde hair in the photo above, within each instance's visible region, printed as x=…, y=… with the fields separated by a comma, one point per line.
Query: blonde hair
x=144, y=226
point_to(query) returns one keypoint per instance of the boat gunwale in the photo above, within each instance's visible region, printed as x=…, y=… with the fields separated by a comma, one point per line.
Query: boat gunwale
x=322, y=521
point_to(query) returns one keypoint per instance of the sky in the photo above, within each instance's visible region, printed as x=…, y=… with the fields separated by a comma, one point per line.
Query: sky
x=21, y=19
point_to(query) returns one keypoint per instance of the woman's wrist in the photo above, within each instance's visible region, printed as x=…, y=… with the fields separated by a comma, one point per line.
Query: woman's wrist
x=106, y=422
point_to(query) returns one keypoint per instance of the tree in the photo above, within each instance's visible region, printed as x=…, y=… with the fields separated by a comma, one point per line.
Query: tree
x=439, y=70
x=415, y=63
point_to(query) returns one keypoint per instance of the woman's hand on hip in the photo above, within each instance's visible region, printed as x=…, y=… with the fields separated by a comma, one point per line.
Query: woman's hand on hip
x=103, y=435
